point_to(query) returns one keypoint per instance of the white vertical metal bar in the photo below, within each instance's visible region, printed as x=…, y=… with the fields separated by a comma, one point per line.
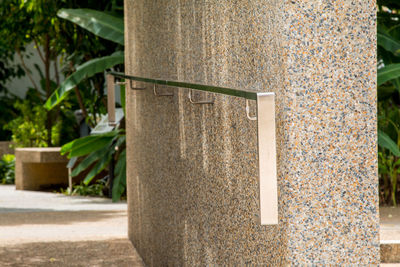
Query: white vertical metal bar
x=267, y=158
x=111, y=99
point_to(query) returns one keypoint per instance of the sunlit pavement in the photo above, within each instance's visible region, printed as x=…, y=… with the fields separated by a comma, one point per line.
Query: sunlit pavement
x=47, y=229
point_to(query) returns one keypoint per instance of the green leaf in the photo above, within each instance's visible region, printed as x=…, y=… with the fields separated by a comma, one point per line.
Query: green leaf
x=100, y=23
x=119, y=184
x=88, y=144
x=68, y=147
x=389, y=43
x=388, y=73
x=82, y=72
x=89, y=160
x=385, y=141
x=100, y=165
x=92, y=145
x=96, y=156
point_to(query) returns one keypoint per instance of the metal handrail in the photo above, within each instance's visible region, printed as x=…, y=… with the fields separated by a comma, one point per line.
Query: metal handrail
x=265, y=117
x=251, y=95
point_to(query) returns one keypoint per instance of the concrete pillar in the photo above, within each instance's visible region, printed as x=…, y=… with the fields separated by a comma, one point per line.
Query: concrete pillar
x=192, y=169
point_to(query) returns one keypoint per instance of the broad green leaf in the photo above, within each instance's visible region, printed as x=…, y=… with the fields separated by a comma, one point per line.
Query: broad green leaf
x=388, y=73
x=385, y=141
x=89, y=160
x=119, y=184
x=96, y=155
x=82, y=72
x=100, y=23
x=389, y=43
x=99, y=166
x=88, y=144
x=67, y=147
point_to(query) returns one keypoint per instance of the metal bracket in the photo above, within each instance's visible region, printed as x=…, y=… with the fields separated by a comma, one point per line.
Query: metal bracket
x=198, y=102
x=160, y=94
x=131, y=85
x=135, y=88
x=265, y=116
x=252, y=118
x=267, y=158
x=111, y=99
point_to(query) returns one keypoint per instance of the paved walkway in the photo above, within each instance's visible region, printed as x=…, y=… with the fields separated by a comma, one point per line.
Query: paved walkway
x=390, y=225
x=46, y=229
x=390, y=235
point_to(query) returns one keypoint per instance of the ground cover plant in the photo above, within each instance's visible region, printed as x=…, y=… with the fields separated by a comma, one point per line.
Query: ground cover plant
x=82, y=189
x=7, y=169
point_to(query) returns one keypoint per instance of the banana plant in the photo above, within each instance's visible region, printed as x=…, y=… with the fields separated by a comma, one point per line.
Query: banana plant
x=98, y=149
x=388, y=81
x=103, y=25
x=388, y=78
x=84, y=71
x=386, y=142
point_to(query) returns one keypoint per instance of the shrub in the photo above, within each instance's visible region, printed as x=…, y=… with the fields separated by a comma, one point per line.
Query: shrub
x=7, y=169
x=29, y=129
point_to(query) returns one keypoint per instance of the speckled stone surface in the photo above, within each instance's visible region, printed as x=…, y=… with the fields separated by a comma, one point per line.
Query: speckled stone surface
x=192, y=169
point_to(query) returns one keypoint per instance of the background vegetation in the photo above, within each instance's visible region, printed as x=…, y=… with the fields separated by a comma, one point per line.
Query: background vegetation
x=61, y=46
x=78, y=40
x=389, y=100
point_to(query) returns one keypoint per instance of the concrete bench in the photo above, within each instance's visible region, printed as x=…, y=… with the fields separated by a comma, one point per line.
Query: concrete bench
x=40, y=168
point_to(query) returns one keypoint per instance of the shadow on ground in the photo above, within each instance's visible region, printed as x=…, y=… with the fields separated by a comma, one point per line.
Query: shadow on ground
x=15, y=217
x=119, y=253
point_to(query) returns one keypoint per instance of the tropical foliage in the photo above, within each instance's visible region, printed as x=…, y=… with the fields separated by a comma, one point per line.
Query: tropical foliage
x=389, y=99
x=29, y=129
x=95, y=189
x=61, y=47
x=7, y=169
x=7, y=113
x=81, y=44
x=102, y=24
x=34, y=21
x=99, y=149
